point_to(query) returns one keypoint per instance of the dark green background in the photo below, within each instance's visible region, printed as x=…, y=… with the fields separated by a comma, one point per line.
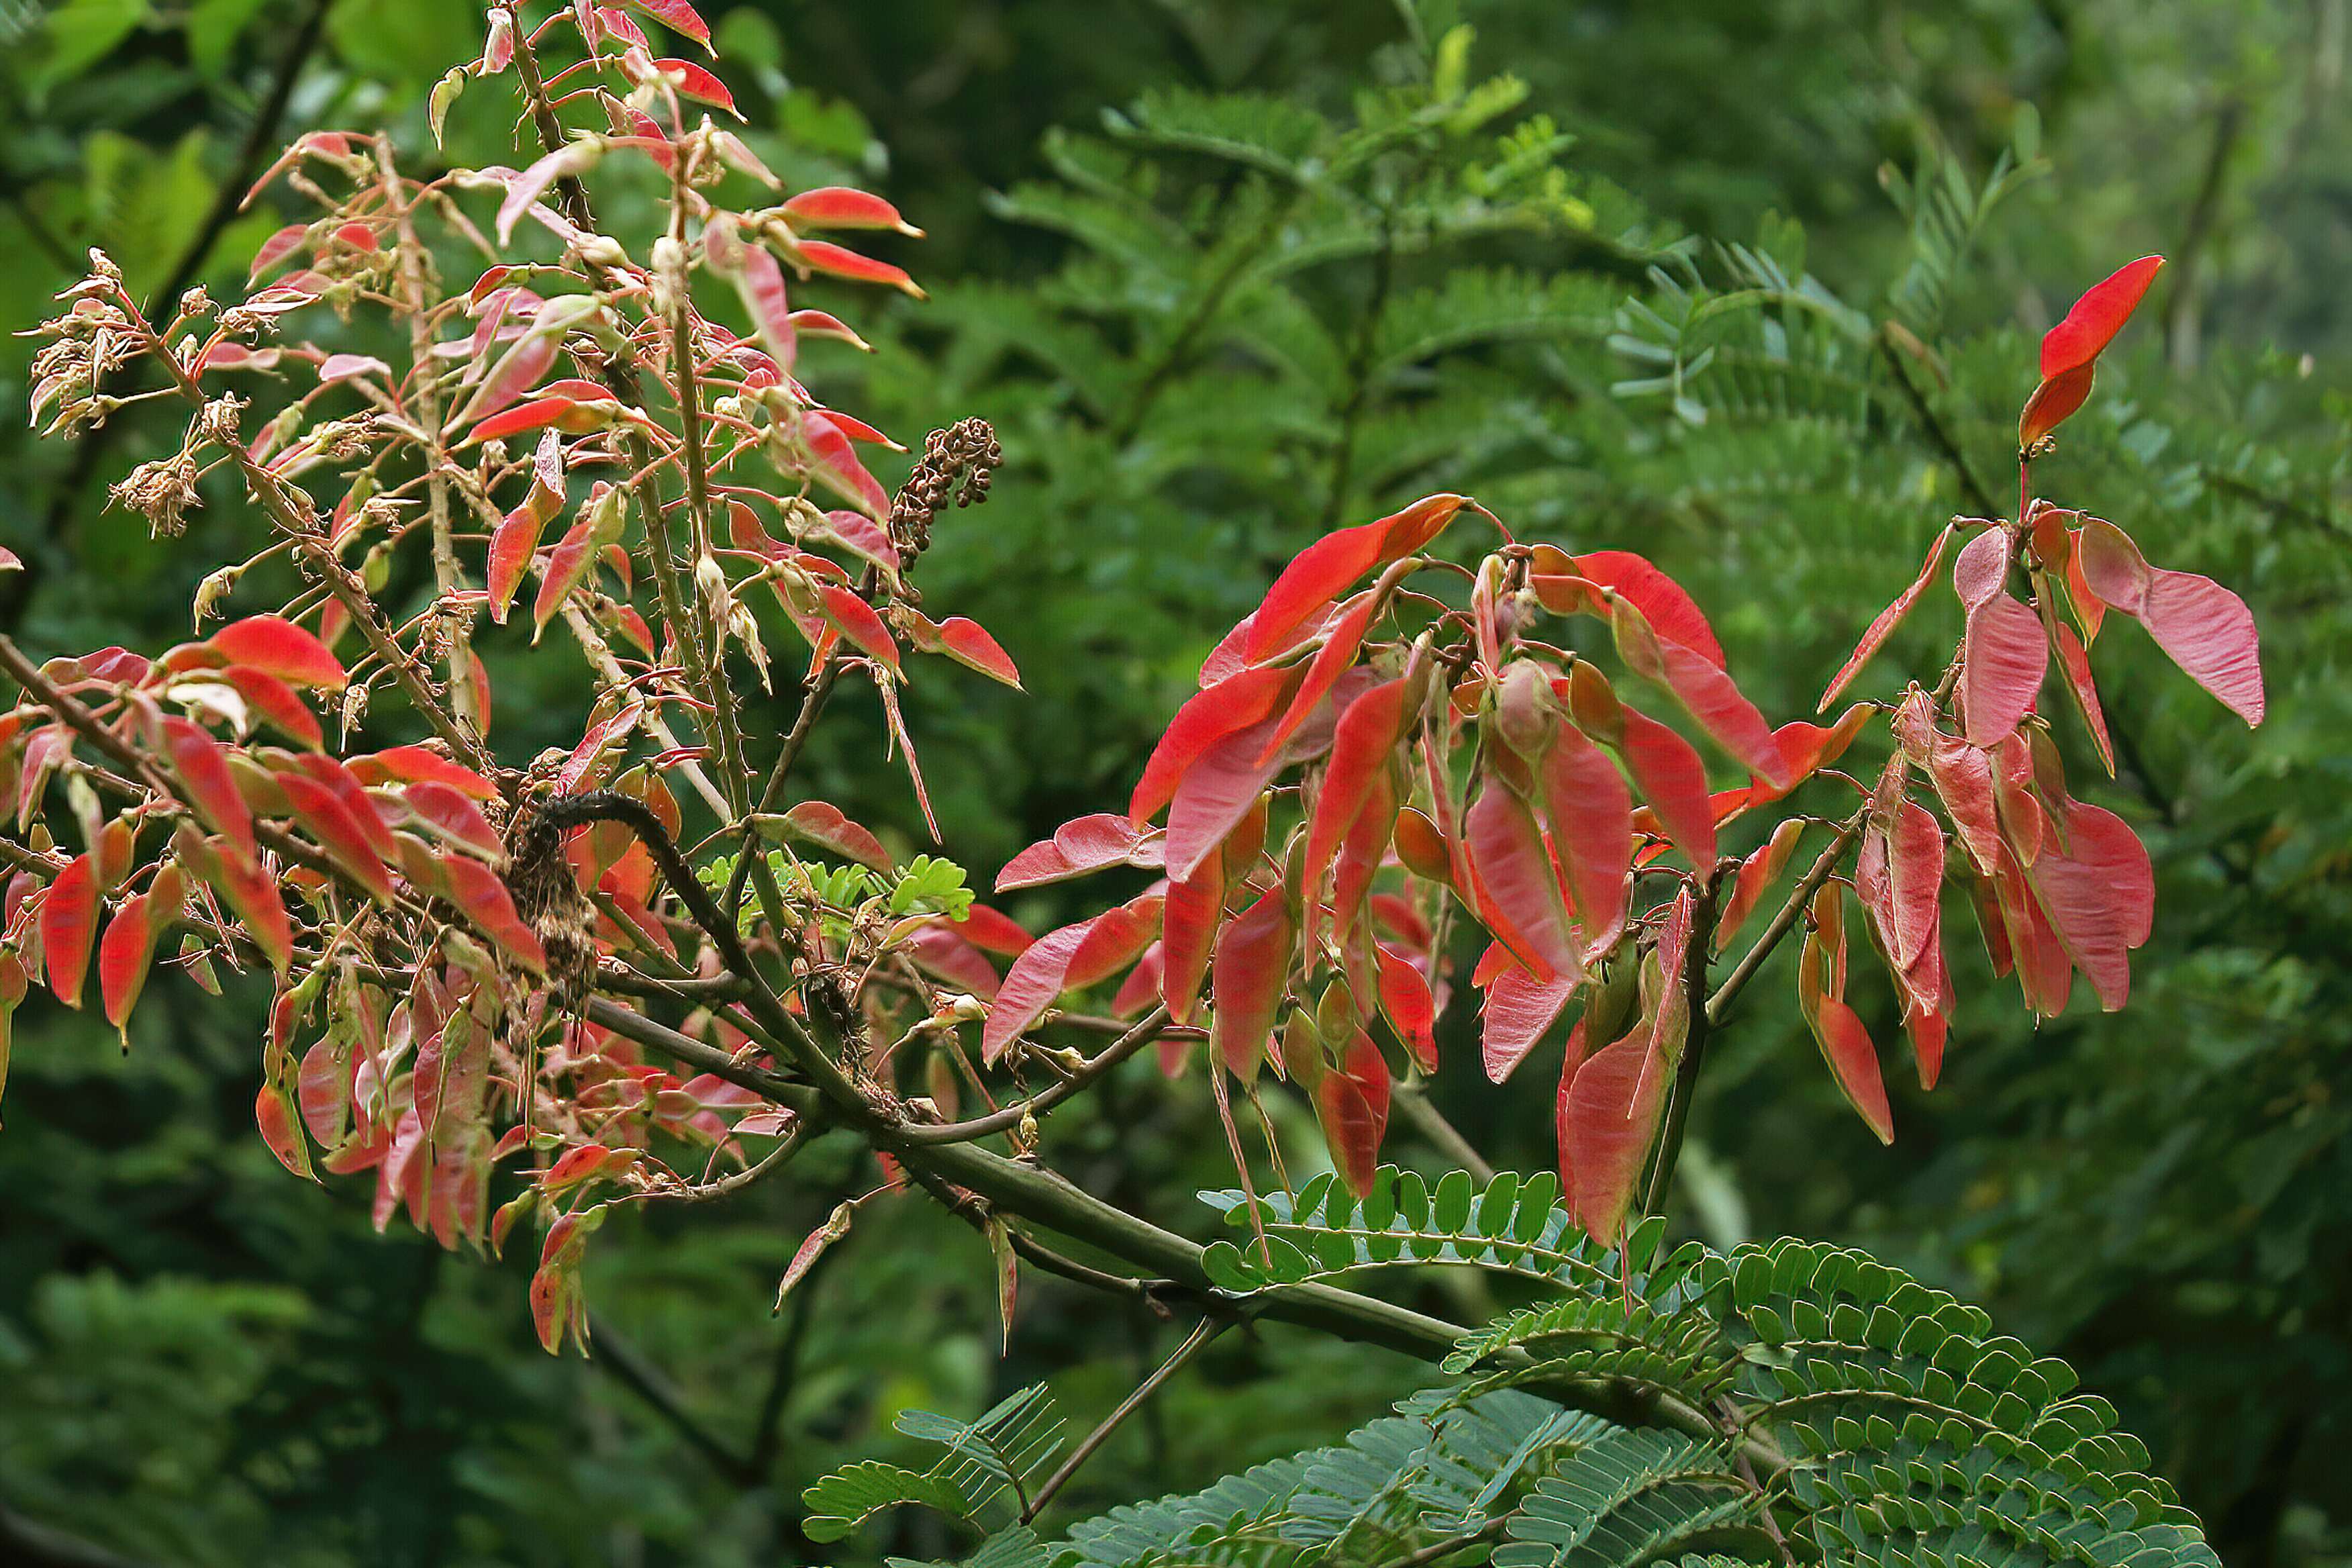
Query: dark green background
x=203, y=1362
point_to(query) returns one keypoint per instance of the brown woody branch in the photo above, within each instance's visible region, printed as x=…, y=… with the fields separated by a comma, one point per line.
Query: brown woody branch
x=1012, y=1187
x=1144, y=1032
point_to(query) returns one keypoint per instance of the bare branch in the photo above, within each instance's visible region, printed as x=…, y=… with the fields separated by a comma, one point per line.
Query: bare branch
x=1207, y=1329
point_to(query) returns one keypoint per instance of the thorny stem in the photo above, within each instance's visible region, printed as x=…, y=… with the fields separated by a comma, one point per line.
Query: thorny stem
x=550, y=132
x=600, y=657
x=944, y=1159
x=683, y=627
x=607, y=805
x=1036, y=1253
x=1223, y=1098
x=417, y=285
x=703, y=659
x=786, y=1148
x=623, y=378
x=819, y=687
x=600, y=654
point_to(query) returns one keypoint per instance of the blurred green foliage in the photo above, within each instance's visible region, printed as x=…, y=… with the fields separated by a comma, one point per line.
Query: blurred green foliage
x=1430, y=277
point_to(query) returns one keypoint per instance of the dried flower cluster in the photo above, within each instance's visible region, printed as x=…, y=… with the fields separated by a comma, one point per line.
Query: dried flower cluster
x=958, y=461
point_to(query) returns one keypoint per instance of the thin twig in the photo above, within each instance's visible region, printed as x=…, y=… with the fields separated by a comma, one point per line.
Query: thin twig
x=32, y=1544
x=143, y=779
x=1359, y=389
x=417, y=285
x=1451, y=1544
x=1207, y=1329
x=45, y=239
x=706, y=663
x=766, y=1431
x=1225, y=1104
x=1029, y=1249
x=965, y=1174
x=611, y=805
x=1978, y=495
x=818, y=688
x=1693, y=980
x=2182, y=323
x=786, y=1150
x=2278, y=506
x=635, y=1373
x=1144, y=1032
x=1163, y=370
x=1784, y=920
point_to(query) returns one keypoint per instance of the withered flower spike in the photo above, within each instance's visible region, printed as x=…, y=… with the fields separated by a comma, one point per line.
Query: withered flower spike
x=161, y=491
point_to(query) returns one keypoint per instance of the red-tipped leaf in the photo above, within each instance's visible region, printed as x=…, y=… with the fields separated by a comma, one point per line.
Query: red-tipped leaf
x=338, y=829
x=1079, y=847
x=1207, y=717
x=1517, y=1010
x=69, y=927
x=1662, y=601
x=277, y=647
x=824, y=824
x=1361, y=746
x=1353, y=1104
x=2098, y=317
x=1332, y=564
x=1342, y=639
x=477, y=890
x=2003, y=653
x=1673, y=780
x=1606, y=1118
x=1882, y=627
x=202, y=764
x=124, y=955
x=2205, y=630
x=1189, y=929
x=415, y=764
x=1247, y=980
x=1522, y=902
x=839, y=206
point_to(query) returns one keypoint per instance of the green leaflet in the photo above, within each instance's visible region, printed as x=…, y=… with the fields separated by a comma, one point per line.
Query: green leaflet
x=1628, y=1497
x=982, y=1461
x=1915, y=1434
x=842, y=1500
x=1436, y=1469
x=1514, y=1225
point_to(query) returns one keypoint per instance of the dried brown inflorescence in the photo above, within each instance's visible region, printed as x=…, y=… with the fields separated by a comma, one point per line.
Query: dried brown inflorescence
x=958, y=461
